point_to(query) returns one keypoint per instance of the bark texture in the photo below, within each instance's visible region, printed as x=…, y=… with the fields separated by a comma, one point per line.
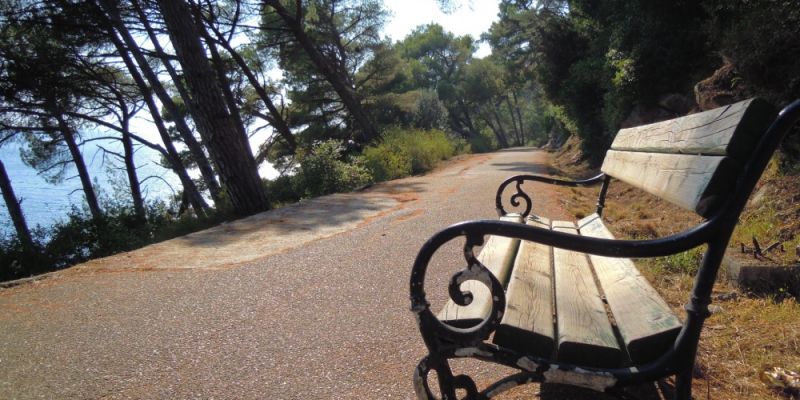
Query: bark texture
x=15, y=211
x=229, y=150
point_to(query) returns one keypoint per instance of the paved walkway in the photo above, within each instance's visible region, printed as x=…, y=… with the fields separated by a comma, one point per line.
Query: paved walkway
x=310, y=301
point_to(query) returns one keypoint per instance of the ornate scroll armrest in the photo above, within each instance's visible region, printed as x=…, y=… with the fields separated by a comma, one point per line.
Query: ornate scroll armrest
x=520, y=194
x=435, y=332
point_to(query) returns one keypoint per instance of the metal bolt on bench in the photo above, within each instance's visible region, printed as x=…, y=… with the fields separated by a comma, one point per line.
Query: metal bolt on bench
x=561, y=302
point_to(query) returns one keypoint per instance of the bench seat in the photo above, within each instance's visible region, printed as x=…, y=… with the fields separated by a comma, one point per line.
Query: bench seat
x=568, y=306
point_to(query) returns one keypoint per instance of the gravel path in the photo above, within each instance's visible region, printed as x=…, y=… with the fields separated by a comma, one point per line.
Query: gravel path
x=322, y=314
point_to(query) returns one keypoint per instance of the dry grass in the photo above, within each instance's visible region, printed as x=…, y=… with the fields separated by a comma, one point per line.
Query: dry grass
x=773, y=215
x=746, y=334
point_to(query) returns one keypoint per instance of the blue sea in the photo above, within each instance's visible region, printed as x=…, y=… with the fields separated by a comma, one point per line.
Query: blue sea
x=44, y=203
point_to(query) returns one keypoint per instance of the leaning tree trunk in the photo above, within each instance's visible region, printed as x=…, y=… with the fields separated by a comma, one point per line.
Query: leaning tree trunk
x=229, y=150
x=189, y=188
x=519, y=115
x=500, y=129
x=77, y=158
x=276, y=120
x=514, y=124
x=345, y=91
x=501, y=138
x=224, y=84
x=180, y=122
x=133, y=178
x=15, y=211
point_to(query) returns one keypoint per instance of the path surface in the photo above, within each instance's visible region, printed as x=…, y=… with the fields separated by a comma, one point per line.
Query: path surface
x=310, y=301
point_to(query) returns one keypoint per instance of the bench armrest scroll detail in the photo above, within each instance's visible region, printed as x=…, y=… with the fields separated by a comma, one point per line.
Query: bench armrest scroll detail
x=514, y=200
x=437, y=331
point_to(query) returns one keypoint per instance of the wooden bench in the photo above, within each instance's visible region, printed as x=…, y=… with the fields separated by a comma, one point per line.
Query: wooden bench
x=560, y=302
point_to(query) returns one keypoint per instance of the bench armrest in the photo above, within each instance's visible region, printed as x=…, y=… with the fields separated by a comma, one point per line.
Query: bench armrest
x=520, y=194
x=475, y=231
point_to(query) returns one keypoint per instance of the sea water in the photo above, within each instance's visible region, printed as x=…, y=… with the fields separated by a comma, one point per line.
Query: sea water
x=45, y=203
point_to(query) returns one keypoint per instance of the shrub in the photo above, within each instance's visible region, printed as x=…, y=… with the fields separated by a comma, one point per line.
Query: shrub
x=480, y=143
x=387, y=163
x=322, y=171
x=15, y=262
x=282, y=190
x=404, y=152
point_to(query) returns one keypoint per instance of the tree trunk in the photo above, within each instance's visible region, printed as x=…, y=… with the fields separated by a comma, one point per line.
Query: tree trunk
x=345, y=91
x=467, y=117
x=133, y=178
x=461, y=121
x=501, y=138
x=224, y=84
x=174, y=159
x=158, y=88
x=500, y=129
x=77, y=158
x=519, y=115
x=277, y=120
x=517, y=135
x=128, y=156
x=458, y=126
x=15, y=211
x=229, y=150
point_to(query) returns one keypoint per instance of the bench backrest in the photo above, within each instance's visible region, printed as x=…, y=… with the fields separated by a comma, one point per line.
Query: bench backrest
x=692, y=161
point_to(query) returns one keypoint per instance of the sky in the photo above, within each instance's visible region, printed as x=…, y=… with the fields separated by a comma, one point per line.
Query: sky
x=472, y=17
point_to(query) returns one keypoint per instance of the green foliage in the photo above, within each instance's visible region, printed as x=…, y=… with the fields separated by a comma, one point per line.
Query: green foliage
x=15, y=262
x=761, y=38
x=596, y=60
x=481, y=143
x=429, y=112
x=405, y=152
x=322, y=171
x=349, y=40
x=387, y=162
x=80, y=237
x=282, y=190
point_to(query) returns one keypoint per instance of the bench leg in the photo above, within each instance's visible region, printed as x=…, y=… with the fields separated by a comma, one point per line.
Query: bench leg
x=683, y=385
x=443, y=374
x=447, y=382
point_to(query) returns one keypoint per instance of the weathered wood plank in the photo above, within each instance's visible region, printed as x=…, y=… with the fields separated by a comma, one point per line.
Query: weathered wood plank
x=585, y=336
x=647, y=325
x=697, y=183
x=527, y=324
x=497, y=255
x=732, y=130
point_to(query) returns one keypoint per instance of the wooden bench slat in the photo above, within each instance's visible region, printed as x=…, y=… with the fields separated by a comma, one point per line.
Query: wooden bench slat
x=497, y=255
x=527, y=324
x=697, y=183
x=732, y=130
x=647, y=325
x=585, y=336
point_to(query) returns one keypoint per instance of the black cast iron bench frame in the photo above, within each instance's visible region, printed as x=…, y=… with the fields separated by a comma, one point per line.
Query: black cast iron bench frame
x=446, y=342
